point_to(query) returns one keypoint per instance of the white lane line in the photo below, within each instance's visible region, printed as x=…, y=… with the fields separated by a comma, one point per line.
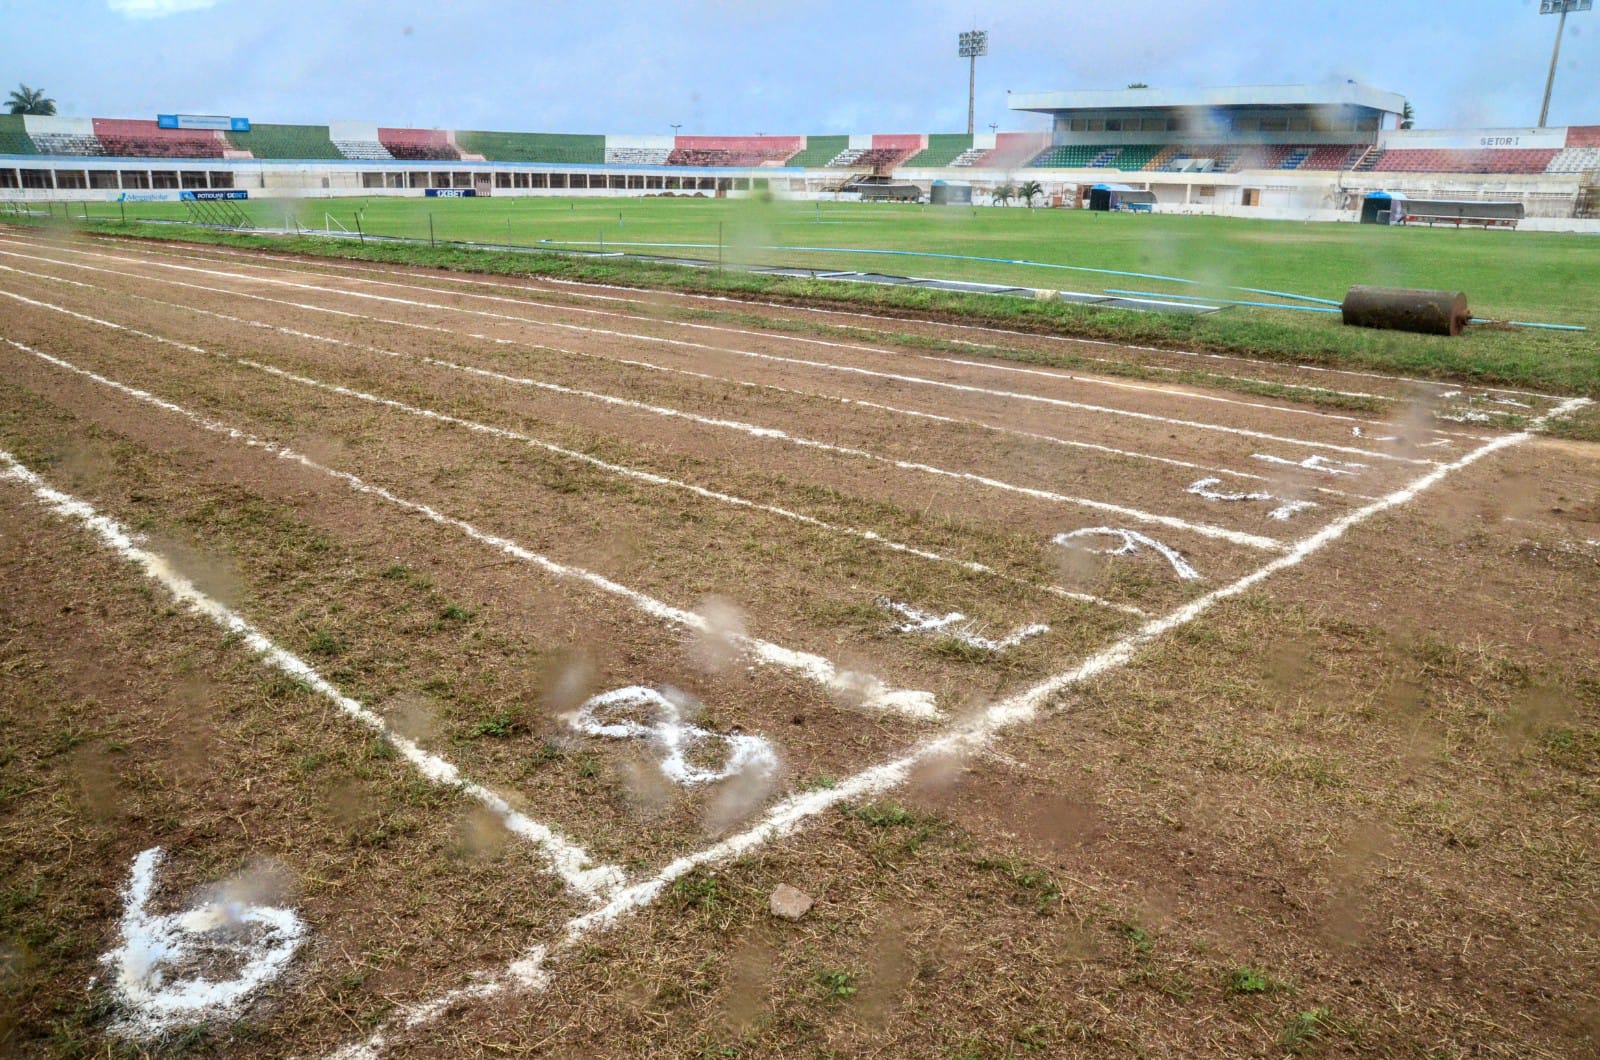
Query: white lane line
x=1256, y=541
x=870, y=536
x=778, y=359
x=778, y=336
x=1013, y=333
x=604, y=358
x=590, y=286
x=565, y=858
x=528, y=972
x=223, y=255
x=862, y=688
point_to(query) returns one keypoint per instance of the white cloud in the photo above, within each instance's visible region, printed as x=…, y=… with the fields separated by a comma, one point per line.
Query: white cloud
x=157, y=8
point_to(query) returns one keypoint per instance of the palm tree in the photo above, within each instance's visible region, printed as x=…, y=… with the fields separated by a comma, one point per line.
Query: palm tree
x=1030, y=191
x=25, y=100
x=1004, y=194
x=1408, y=117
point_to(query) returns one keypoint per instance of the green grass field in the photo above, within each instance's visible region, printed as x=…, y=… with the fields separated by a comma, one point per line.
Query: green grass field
x=1539, y=277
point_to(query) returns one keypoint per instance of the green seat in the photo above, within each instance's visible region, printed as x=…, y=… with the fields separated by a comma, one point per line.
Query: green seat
x=285, y=141
x=942, y=149
x=572, y=149
x=819, y=151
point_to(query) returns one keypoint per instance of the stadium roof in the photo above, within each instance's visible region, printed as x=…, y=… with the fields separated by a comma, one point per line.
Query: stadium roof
x=1333, y=94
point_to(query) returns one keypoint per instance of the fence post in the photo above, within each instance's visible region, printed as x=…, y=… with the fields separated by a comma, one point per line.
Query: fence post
x=359, y=231
x=719, y=246
x=431, y=241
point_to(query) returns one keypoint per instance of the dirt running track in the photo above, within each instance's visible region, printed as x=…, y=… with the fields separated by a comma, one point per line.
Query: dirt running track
x=1271, y=723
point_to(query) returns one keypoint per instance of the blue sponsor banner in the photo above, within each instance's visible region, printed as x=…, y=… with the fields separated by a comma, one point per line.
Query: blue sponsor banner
x=451, y=193
x=218, y=195
x=212, y=122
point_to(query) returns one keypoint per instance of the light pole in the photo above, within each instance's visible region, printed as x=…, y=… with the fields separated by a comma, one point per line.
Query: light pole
x=1557, y=7
x=675, y=127
x=973, y=43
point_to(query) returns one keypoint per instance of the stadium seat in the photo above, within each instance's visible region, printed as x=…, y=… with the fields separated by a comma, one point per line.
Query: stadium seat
x=1070, y=156
x=1334, y=157
x=819, y=151
x=1449, y=160
x=422, y=145
x=1013, y=150
x=363, y=150
x=553, y=148
x=132, y=138
x=1575, y=160
x=637, y=156
x=67, y=144
x=887, y=151
x=14, y=139
x=286, y=141
x=943, y=149
x=735, y=150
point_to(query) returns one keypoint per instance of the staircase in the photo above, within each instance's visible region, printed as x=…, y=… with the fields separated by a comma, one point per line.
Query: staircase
x=1588, y=204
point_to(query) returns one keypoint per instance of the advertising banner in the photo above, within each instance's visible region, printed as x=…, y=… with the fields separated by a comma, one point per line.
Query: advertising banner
x=210, y=122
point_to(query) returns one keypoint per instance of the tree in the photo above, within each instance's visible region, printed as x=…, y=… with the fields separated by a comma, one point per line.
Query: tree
x=1408, y=117
x=1004, y=194
x=25, y=100
x=1138, y=84
x=1030, y=191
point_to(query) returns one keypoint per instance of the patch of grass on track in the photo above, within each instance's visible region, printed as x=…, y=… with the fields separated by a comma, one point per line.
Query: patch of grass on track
x=1515, y=275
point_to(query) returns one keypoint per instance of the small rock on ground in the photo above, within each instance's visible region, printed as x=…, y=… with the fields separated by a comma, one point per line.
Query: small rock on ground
x=790, y=903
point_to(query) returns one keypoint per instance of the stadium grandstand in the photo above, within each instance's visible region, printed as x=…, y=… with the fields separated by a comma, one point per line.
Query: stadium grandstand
x=1311, y=151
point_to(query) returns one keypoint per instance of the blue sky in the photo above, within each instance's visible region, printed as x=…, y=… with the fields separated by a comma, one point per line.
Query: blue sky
x=727, y=66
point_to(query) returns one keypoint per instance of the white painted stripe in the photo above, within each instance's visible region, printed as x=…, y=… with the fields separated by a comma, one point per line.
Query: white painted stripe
x=866, y=689
x=865, y=535
x=565, y=858
x=1205, y=530
x=1020, y=709
x=590, y=286
x=778, y=359
x=256, y=260
x=629, y=362
x=1012, y=332
x=777, y=336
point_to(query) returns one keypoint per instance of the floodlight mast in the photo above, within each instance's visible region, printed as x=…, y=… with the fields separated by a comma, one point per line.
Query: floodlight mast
x=973, y=43
x=1557, y=7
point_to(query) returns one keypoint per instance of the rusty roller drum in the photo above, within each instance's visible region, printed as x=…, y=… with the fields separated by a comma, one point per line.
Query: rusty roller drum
x=1403, y=309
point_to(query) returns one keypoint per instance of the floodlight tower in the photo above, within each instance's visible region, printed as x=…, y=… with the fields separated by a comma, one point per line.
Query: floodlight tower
x=1557, y=7
x=973, y=44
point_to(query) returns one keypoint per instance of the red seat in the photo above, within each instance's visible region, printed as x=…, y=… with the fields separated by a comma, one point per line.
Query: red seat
x=734, y=150
x=430, y=145
x=133, y=138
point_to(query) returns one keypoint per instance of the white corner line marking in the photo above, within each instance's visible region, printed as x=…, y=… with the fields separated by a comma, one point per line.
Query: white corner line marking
x=1022, y=708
